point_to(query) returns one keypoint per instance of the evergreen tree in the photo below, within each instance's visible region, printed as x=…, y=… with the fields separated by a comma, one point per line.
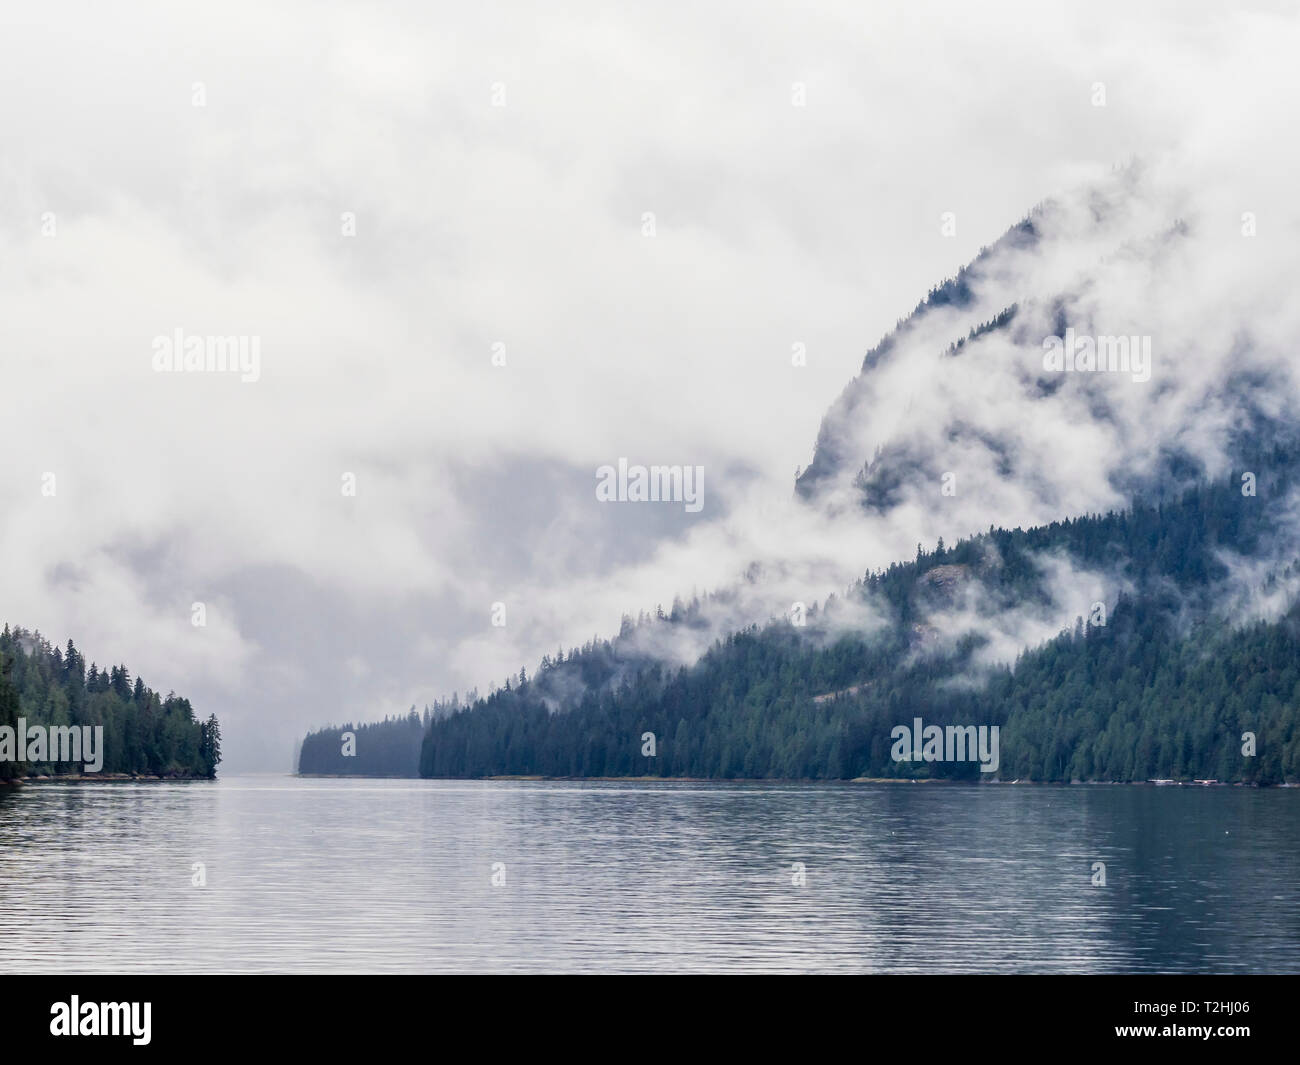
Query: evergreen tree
x=142, y=734
x=9, y=711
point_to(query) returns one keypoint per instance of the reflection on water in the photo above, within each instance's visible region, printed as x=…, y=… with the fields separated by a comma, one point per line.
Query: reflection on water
x=396, y=876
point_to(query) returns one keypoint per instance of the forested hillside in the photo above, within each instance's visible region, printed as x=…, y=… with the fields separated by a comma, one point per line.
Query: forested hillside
x=144, y=733
x=1127, y=701
x=1163, y=684
x=388, y=748
x=1189, y=646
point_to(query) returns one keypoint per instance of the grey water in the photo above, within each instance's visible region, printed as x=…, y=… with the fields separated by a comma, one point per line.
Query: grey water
x=278, y=874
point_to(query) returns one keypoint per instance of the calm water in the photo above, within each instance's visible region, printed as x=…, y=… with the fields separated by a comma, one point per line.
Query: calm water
x=395, y=876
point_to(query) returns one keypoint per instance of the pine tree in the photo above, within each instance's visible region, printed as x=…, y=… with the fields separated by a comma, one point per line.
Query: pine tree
x=9, y=767
x=210, y=744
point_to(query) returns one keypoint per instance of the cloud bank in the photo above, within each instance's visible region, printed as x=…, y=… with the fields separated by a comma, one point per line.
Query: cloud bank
x=352, y=193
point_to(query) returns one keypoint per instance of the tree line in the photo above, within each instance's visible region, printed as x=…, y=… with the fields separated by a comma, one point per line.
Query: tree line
x=1169, y=684
x=144, y=733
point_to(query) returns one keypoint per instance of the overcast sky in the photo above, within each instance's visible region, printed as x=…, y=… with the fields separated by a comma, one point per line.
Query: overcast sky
x=385, y=194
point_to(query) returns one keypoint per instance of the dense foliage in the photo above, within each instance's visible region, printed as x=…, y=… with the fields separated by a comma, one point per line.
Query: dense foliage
x=1164, y=688
x=388, y=748
x=1128, y=701
x=144, y=733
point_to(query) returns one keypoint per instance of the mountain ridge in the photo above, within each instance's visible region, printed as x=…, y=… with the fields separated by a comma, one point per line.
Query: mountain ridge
x=957, y=419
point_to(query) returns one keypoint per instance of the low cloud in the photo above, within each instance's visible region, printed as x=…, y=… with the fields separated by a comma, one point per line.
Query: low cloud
x=128, y=212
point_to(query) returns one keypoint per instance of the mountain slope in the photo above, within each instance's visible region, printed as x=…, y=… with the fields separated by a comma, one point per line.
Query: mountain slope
x=1164, y=686
x=961, y=421
x=961, y=387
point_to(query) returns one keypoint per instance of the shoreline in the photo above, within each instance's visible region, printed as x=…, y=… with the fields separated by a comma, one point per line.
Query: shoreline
x=800, y=780
x=101, y=778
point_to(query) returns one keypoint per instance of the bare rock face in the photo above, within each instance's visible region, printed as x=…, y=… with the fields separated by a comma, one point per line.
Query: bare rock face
x=946, y=579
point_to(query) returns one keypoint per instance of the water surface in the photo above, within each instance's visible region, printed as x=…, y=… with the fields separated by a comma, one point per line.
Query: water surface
x=327, y=875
